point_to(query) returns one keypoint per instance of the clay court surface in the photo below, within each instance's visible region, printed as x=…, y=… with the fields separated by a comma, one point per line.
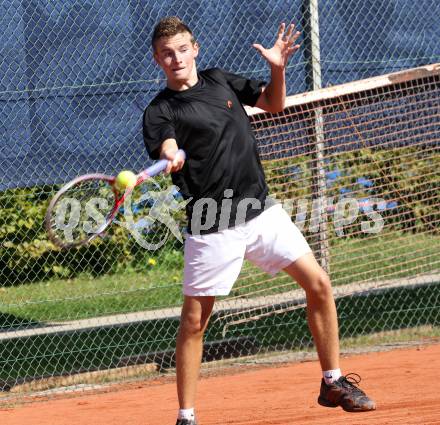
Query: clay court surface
x=404, y=382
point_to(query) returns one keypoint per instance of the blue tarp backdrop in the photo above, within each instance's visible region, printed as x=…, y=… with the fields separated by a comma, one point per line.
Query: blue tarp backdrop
x=75, y=78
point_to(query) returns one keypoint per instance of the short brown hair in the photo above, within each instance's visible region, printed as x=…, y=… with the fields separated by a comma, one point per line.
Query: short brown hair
x=169, y=27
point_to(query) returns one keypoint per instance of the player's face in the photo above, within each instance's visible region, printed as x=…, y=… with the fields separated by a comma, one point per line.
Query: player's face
x=176, y=56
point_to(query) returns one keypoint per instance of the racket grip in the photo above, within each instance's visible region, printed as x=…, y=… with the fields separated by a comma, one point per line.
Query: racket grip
x=159, y=166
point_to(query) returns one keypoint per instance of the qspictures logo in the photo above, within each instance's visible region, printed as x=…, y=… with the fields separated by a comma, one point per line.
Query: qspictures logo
x=151, y=218
x=156, y=207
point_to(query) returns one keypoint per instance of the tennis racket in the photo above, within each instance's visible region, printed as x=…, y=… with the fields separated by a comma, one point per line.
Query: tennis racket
x=84, y=208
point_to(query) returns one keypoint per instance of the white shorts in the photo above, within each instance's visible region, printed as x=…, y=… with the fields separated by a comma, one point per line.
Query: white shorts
x=214, y=261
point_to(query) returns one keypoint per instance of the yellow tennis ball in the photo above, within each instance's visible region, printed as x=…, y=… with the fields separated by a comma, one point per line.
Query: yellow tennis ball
x=125, y=179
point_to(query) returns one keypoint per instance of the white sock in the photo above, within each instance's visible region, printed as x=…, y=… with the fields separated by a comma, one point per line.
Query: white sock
x=186, y=413
x=331, y=376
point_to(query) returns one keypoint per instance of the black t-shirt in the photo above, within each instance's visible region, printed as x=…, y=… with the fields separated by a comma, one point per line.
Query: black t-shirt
x=222, y=165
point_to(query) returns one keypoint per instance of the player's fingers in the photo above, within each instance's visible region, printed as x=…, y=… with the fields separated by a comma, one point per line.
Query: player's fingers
x=290, y=31
x=295, y=46
x=293, y=49
x=259, y=47
x=281, y=30
x=294, y=37
x=181, y=156
x=179, y=160
x=177, y=164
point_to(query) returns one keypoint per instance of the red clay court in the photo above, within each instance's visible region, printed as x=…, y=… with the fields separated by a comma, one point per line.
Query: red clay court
x=404, y=382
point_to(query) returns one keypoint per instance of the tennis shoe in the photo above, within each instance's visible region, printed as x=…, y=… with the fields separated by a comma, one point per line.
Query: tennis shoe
x=186, y=422
x=345, y=393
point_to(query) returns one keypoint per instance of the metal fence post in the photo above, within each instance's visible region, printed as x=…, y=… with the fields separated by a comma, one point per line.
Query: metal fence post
x=312, y=51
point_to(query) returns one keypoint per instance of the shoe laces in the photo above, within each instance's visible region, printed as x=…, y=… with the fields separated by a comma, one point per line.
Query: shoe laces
x=351, y=381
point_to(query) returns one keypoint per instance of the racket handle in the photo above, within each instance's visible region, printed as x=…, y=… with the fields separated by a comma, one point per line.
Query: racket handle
x=159, y=166
x=156, y=168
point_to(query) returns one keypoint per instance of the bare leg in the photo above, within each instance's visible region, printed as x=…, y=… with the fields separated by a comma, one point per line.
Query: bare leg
x=321, y=309
x=193, y=322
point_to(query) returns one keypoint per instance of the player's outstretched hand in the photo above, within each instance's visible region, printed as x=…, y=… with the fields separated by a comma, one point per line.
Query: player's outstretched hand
x=175, y=158
x=283, y=48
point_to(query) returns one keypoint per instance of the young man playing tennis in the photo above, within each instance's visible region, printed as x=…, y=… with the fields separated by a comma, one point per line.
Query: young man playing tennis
x=229, y=217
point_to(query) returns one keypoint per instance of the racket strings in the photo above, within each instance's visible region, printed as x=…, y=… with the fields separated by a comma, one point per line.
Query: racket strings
x=82, y=211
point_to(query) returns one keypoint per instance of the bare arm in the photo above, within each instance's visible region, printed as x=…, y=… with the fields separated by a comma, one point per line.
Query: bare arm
x=168, y=150
x=273, y=96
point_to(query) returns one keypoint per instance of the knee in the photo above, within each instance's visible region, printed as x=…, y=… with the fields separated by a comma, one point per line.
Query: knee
x=320, y=287
x=192, y=324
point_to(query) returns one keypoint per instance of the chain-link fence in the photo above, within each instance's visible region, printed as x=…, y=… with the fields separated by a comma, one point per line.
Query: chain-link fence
x=356, y=165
